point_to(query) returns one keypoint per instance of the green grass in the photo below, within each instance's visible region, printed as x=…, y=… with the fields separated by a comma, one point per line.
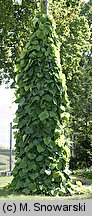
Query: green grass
x=85, y=180
x=84, y=175
x=29, y=197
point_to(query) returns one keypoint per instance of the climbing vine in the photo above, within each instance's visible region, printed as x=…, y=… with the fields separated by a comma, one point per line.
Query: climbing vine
x=41, y=154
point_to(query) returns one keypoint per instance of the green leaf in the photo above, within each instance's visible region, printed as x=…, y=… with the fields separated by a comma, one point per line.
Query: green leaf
x=40, y=148
x=22, y=63
x=56, y=174
x=35, y=42
x=37, y=47
x=47, y=98
x=52, y=166
x=44, y=115
x=24, y=170
x=34, y=167
x=15, y=120
x=33, y=54
x=39, y=75
x=47, y=140
x=42, y=171
x=60, y=142
x=65, y=115
x=26, y=184
x=23, y=54
x=19, y=184
x=67, y=150
x=39, y=54
x=62, y=191
x=22, y=101
x=31, y=165
x=55, y=191
x=35, y=98
x=24, y=137
x=47, y=53
x=40, y=34
x=31, y=156
x=33, y=176
x=43, y=49
x=38, y=86
x=22, y=165
x=26, y=191
x=32, y=186
x=27, y=45
x=47, y=182
x=15, y=171
x=26, y=88
x=62, y=108
x=39, y=158
x=41, y=26
x=27, y=67
x=34, y=47
x=21, y=174
x=29, y=130
x=52, y=114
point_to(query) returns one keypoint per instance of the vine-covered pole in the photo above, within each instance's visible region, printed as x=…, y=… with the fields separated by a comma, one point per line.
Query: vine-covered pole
x=44, y=5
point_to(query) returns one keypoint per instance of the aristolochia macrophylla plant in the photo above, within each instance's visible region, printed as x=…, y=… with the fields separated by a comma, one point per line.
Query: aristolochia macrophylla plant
x=41, y=154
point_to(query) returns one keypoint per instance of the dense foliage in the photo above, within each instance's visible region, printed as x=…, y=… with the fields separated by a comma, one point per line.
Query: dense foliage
x=73, y=26
x=15, y=25
x=82, y=122
x=41, y=153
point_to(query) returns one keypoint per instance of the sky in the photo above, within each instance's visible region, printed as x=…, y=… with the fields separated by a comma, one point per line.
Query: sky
x=7, y=114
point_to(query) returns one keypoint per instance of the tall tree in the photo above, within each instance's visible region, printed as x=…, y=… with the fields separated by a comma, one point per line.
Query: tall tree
x=74, y=34
x=15, y=26
x=83, y=117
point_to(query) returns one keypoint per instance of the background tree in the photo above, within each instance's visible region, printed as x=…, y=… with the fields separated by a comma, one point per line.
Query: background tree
x=83, y=120
x=74, y=34
x=16, y=23
x=15, y=26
